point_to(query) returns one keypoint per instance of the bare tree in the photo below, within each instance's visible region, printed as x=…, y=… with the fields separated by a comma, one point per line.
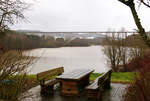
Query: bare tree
x=11, y=11
x=139, y=48
x=120, y=49
x=123, y=50
x=111, y=51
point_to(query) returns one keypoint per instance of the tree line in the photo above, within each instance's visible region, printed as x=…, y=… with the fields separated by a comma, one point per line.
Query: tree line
x=13, y=40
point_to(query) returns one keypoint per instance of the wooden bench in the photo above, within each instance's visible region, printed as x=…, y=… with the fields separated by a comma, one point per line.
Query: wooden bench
x=47, y=79
x=95, y=89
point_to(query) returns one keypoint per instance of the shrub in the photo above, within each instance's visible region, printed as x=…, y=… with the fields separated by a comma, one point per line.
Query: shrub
x=140, y=89
x=13, y=69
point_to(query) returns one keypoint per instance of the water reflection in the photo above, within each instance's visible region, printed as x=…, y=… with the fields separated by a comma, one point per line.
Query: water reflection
x=69, y=57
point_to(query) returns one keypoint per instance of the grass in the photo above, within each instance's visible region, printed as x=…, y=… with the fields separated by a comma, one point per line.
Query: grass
x=126, y=77
x=93, y=76
x=117, y=77
x=32, y=76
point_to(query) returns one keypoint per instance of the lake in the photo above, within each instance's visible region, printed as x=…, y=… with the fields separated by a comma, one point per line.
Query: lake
x=70, y=58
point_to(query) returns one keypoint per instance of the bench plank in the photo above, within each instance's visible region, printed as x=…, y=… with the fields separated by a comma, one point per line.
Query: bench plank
x=93, y=85
x=49, y=73
x=52, y=82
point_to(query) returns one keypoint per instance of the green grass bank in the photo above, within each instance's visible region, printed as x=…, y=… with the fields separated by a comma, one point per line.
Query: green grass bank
x=116, y=77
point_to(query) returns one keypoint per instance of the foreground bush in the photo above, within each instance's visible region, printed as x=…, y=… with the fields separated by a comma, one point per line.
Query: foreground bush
x=13, y=69
x=140, y=89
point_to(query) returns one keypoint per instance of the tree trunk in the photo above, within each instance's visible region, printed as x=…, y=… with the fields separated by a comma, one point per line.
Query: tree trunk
x=139, y=25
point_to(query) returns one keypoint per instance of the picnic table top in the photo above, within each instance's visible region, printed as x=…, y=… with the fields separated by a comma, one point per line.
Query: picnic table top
x=77, y=74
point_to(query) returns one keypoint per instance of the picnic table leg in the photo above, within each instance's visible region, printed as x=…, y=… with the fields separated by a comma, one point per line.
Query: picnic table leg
x=107, y=84
x=84, y=81
x=99, y=94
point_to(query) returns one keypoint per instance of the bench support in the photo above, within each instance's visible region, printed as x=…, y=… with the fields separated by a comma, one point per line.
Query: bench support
x=107, y=84
x=47, y=89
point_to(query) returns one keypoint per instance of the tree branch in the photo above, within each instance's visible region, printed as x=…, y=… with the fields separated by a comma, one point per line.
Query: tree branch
x=127, y=2
x=146, y=4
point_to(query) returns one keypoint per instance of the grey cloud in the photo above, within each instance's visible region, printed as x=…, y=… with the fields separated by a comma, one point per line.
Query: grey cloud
x=79, y=15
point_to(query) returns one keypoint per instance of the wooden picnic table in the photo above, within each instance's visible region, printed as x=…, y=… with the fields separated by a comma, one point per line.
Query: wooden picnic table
x=74, y=82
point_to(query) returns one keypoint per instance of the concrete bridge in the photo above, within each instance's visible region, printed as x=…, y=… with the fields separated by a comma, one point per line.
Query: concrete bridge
x=78, y=34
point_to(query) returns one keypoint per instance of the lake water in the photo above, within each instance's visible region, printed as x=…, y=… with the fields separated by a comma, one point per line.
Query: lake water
x=70, y=58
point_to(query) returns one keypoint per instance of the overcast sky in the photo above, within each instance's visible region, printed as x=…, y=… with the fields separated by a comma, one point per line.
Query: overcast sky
x=81, y=15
